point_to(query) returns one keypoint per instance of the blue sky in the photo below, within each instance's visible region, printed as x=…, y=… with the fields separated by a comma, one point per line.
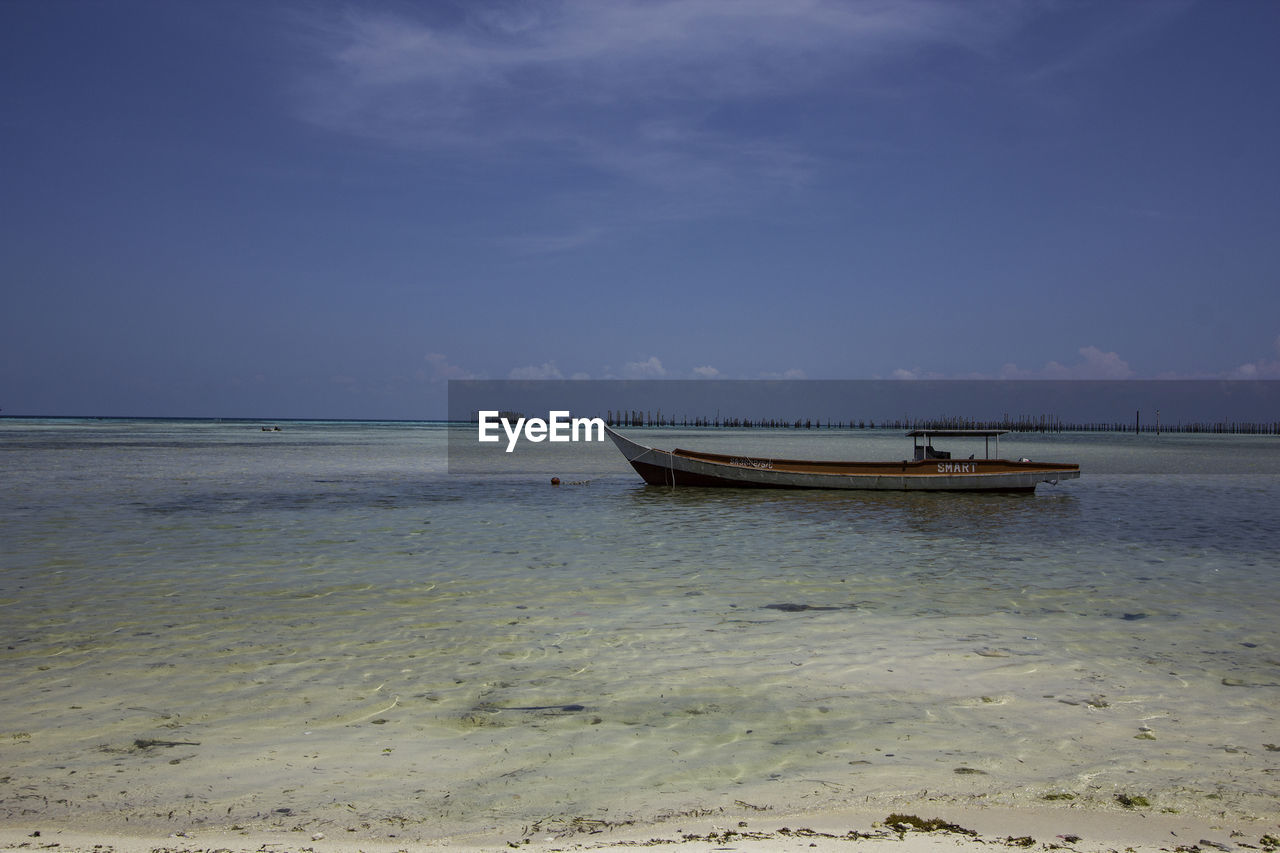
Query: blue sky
x=328, y=209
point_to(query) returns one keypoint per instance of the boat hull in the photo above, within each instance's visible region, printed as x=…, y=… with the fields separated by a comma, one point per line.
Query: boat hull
x=689, y=468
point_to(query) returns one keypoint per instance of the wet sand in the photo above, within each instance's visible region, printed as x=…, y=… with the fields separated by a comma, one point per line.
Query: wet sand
x=926, y=830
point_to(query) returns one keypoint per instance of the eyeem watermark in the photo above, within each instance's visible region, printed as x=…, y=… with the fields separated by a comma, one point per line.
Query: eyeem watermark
x=557, y=427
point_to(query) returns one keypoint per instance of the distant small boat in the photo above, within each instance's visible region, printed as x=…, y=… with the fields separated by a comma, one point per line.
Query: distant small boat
x=928, y=470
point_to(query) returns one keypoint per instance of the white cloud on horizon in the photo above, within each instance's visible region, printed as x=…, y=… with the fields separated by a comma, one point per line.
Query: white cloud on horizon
x=1094, y=364
x=649, y=369
x=1264, y=368
x=546, y=370
x=904, y=374
x=792, y=373
x=1098, y=365
x=440, y=370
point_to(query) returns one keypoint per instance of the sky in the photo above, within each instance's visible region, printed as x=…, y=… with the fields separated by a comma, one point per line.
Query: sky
x=328, y=210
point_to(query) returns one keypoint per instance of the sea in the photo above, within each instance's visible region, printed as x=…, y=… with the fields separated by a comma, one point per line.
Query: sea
x=342, y=627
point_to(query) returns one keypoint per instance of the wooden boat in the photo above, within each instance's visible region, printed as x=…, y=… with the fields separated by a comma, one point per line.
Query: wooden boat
x=929, y=470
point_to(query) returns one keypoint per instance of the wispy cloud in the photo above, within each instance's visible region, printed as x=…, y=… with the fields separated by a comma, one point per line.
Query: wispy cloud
x=631, y=88
x=551, y=243
x=1126, y=23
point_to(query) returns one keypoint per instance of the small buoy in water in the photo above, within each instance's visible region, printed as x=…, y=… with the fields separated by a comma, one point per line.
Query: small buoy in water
x=555, y=481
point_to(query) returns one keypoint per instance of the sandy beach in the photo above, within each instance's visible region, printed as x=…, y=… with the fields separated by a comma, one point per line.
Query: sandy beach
x=944, y=828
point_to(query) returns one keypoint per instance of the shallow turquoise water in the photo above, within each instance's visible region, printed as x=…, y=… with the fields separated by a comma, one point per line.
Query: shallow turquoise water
x=323, y=626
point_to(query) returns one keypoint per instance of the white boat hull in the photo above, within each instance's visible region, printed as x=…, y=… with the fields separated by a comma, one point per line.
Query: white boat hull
x=688, y=468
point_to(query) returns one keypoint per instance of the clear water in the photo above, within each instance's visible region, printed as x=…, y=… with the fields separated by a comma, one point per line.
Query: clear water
x=208, y=624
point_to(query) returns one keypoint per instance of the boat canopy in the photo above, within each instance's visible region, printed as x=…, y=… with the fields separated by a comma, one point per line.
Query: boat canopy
x=926, y=450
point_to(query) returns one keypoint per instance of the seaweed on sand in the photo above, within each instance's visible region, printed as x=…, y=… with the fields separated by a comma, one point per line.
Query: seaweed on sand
x=903, y=823
x=1133, y=801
